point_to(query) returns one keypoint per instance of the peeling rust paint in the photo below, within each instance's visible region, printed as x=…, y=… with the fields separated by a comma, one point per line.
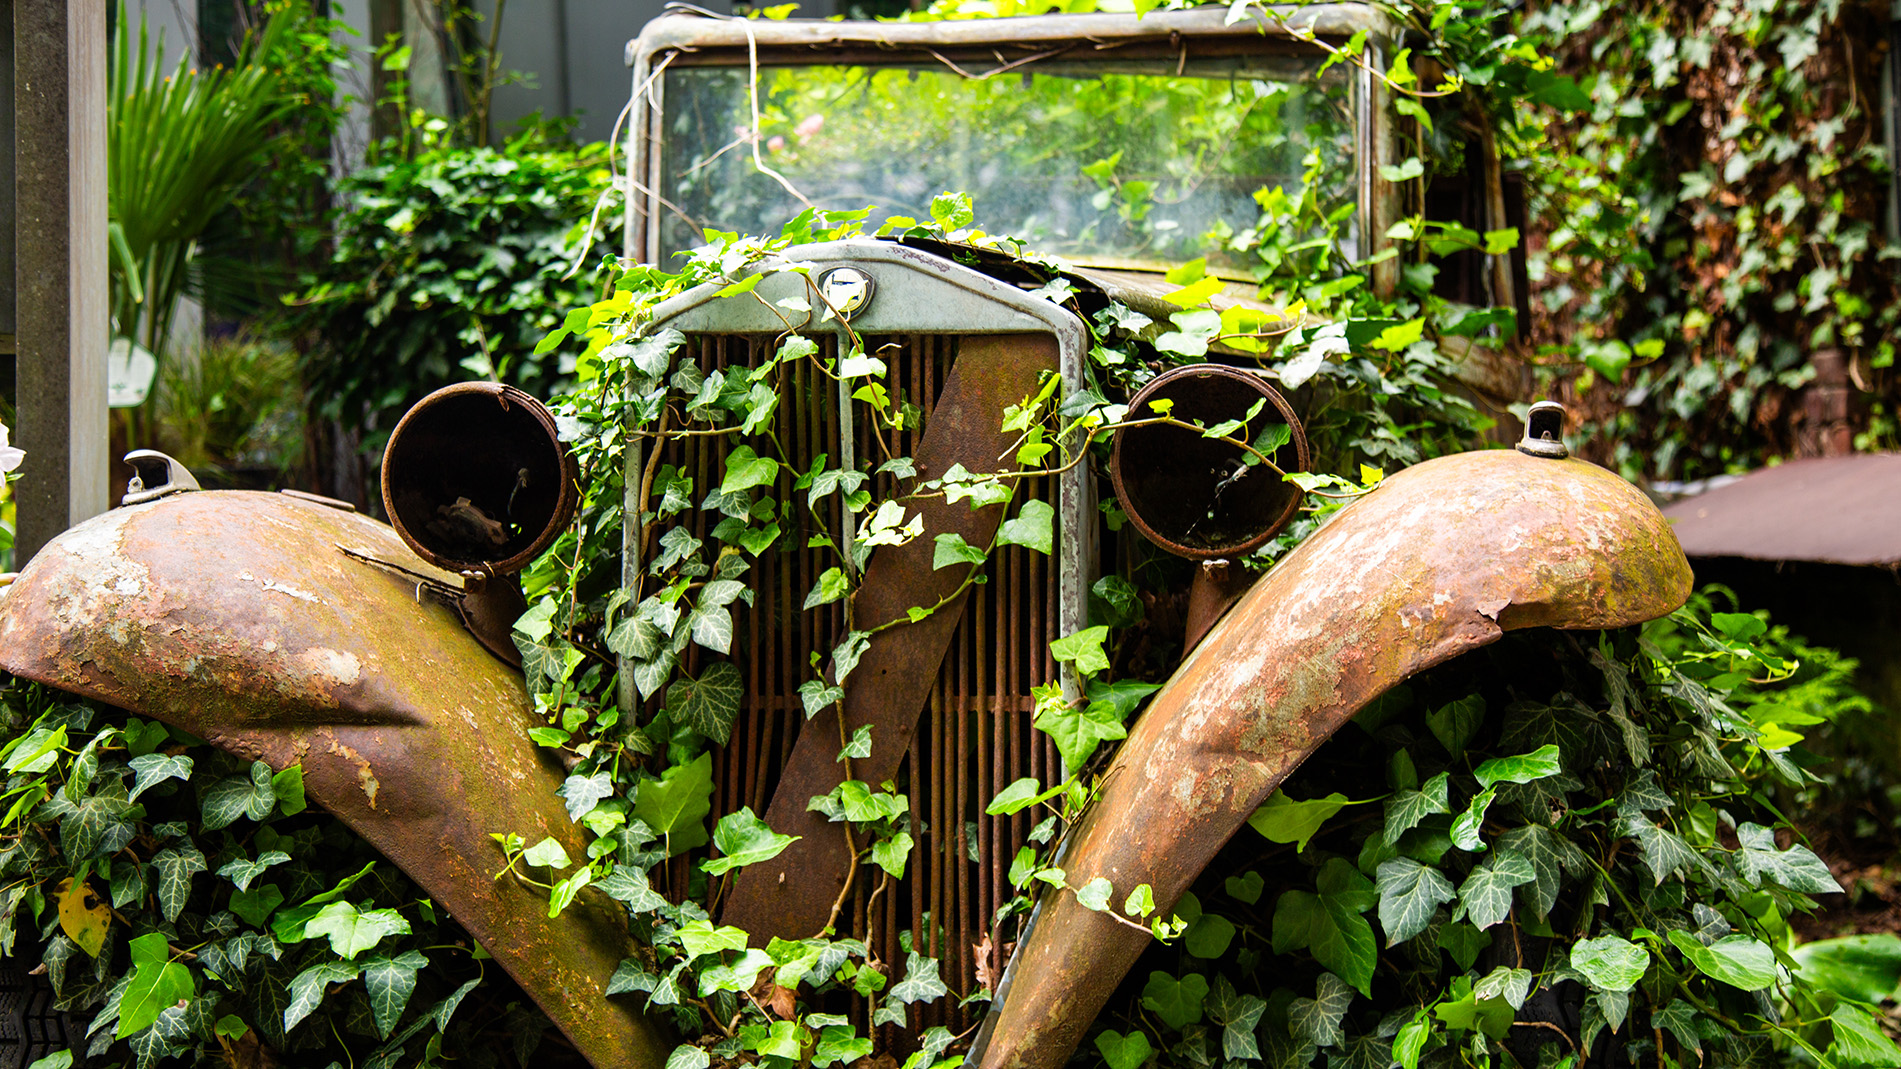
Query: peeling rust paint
x=1442, y=559
x=237, y=617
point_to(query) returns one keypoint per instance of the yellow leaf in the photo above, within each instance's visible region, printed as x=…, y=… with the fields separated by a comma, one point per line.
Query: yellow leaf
x=83, y=916
x=1370, y=476
x=1195, y=292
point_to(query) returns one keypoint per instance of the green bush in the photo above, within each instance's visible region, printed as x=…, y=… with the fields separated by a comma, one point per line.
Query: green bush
x=449, y=266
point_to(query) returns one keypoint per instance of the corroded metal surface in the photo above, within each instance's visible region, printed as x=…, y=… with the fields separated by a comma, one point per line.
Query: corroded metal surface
x=238, y=617
x=1442, y=559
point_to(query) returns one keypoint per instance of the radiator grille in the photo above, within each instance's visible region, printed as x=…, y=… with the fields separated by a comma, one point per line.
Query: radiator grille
x=974, y=737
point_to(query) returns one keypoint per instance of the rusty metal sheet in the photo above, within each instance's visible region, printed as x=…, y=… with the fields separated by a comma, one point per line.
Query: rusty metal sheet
x=791, y=896
x=1442, y=559
x=239, y=617
x=1841, y=510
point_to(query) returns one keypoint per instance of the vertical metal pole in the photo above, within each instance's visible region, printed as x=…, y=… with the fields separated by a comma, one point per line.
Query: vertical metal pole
x=60, y=220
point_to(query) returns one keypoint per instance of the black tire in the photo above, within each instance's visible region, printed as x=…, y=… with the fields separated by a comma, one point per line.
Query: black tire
x=30, y=1028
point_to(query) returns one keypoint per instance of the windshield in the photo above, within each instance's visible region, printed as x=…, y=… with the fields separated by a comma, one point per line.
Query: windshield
x=1131, y=162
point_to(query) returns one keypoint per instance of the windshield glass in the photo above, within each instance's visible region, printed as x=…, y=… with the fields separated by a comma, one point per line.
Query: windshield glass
x=1131, y=162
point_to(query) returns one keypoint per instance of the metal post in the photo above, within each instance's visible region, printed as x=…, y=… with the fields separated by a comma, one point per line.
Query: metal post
x=60, y=221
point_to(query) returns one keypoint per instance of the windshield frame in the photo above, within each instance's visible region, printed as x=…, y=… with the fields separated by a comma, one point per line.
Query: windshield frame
x=985, y=44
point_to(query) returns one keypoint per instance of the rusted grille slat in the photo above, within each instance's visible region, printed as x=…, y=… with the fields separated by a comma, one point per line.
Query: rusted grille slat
x=975, y=735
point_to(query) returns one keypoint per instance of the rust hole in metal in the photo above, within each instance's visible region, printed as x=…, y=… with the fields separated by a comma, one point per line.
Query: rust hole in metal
x=1193, y=495
x=476, y=479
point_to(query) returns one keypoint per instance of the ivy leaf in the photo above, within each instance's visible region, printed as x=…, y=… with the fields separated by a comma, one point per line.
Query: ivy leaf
x=1237, y=1033
x=251, y=795
x=1463, y=942
x=1796, y=868
x=1095, y=895
x=676, y=804
x=635, y=638
x=630, y=885
x=688, y=1056
x=859, y=747
x=831, y=586
x=352, y=932
x=1736, y=960
x=953, y=550
x=1524, y=768
x=1551, y=856
x=1033, y=527
x=1487, y=890
x=583, y=793
x=892, y=852
x=154, y=768
x=1409, y=894
x=743, y=839
x=1176, y=1002
x=1208, y=937
x=1664, y=853
x=1610, y=962
x=1077, y=732
x=1283, y=820
x=815, y=695
x=740, y=975
x=746, y=469
x=1455, y=724
x=1329, y=928
x=920, y=983
x=1246, y=887
x=1124, y=1052
x=255, y=906
x=175, y=866
x=1083, y=649
x=1858, y=1039
x=700, y=938
x=242, y=871
x=708, y=704
x=1317, y=1019
x=390, y=982
x=288, y=786
x=547, y=854
x=839, y=1044
x=1406, y=809
x=1465, y=830
x=630, y=975
x=156, y=984
x=713, y=627
x=308, y=989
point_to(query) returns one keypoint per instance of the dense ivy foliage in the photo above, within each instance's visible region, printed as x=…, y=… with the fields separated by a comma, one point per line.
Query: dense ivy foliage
x=448, y=265
x=1714, y=224
x=189, y=904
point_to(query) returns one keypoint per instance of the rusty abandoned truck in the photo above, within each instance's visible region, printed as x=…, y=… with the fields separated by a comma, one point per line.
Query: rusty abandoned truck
x=285, y=629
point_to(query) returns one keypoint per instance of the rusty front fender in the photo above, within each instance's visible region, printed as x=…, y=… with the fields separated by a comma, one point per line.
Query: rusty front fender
x=1442, y=559
x=239, y=617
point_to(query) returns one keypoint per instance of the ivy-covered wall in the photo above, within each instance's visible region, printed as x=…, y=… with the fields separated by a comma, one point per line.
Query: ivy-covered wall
x=1713, y=286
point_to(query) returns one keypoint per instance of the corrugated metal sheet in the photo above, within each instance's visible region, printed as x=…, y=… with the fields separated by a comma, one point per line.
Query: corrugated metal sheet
x=1842, y=510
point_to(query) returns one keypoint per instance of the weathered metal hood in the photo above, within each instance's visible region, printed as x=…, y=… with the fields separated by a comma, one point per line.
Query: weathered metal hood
x=1442, y=559
x=239, y=617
